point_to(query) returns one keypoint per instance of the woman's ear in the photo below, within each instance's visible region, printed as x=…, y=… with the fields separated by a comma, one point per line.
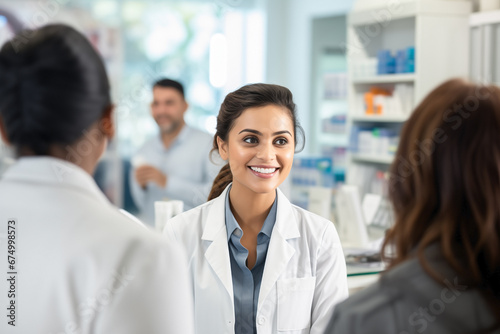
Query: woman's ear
x=3, y=132
x=222, y=148
x=107, y=123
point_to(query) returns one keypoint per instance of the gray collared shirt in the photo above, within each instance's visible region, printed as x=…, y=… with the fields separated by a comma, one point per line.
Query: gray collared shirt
x=189, y=171
x=246, y=282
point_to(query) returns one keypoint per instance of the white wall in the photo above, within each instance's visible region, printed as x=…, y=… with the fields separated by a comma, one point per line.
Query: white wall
x=289, y=45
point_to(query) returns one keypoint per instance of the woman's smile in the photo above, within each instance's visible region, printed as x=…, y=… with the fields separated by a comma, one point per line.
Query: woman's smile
x=264, y=171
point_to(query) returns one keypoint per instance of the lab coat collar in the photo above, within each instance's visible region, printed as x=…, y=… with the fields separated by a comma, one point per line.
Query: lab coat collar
x=215, y=217
x=232, y=224
x=286, y=222
x=56, y=172
x=279, y=253
x=217, y=253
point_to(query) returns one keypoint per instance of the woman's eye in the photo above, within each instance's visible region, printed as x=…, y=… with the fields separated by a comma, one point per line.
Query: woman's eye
x=281, y=141
x=250, y=140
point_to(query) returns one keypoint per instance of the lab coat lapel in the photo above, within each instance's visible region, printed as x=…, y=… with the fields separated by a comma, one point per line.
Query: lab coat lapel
x=280, y=251
x=217, y=252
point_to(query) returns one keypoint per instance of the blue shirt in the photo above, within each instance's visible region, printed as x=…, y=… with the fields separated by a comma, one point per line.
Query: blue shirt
x=186, y=163
x=246, y=282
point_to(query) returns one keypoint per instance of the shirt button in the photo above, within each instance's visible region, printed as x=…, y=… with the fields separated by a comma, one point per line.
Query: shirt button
x=262, y=321
x=237, y=233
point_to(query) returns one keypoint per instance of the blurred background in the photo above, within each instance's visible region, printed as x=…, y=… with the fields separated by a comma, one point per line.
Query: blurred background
x=356, y=69
x=212, y=46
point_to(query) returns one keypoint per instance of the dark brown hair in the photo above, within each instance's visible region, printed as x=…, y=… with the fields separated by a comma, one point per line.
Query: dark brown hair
x=169, y=83
x=54, y=86
x=235, y=103
x=445, y=185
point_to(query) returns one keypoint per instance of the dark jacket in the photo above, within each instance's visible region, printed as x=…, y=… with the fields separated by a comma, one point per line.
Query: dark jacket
x=407, y=300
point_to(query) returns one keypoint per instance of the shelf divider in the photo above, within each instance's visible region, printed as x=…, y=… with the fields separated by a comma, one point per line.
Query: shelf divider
x=380, y=118
x=386, y=78
x=380, y=159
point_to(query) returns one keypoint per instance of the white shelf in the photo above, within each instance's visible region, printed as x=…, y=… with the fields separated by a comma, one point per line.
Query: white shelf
x=333, y=139
x=379, y=159
x=376, y=25
x=386, y=78
x=411, y=8
x=379, y=118
x=483, y=18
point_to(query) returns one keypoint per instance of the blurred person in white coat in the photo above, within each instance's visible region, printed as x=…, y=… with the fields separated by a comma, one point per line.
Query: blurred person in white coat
x=76, y=263
x=258, y=263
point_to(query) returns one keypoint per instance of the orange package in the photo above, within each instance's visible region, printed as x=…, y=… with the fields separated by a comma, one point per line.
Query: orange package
x=371, y=108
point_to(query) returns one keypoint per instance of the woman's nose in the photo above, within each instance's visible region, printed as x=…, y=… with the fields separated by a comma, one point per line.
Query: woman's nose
x=266, y=152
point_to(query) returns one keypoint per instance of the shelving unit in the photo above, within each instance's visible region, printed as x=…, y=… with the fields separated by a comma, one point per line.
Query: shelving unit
x=485, y=47
x=410, y=9
x=329, y=103
x=436, y=29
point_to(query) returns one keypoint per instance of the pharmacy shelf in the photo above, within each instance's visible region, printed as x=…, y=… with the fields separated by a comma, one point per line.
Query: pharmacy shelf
x=386, y=78
x=378, y=159
x=484, y=18
x=380, y=118
x=408, y=8
x=485, y=47
x=380, y=25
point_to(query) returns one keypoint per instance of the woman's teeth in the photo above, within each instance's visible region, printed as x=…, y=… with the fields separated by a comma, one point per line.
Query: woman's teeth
x=264, y=170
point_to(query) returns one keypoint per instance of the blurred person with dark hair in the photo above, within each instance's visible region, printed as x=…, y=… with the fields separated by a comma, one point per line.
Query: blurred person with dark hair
x=174, y=164
x=76, y=263
x=444, y=249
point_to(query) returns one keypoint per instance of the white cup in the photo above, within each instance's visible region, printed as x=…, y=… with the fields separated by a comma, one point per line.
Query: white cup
x=138, y=161
x=164, y=210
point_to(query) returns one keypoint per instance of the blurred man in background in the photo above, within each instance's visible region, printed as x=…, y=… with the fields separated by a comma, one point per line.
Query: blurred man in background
x=174, y=164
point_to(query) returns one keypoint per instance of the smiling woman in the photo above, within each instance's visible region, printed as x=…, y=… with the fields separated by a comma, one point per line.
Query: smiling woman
x=259, y=160
x=258, y=263
x=269, y=107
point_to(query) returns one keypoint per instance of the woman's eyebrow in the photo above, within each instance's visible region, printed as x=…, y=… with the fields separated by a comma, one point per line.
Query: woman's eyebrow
x=260, y=133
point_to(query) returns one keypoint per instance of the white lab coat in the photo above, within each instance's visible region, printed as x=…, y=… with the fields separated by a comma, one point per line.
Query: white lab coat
x=304, y=274
x=82, y=266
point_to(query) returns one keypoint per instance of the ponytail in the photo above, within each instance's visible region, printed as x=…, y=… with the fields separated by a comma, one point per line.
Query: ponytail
x=223, y=179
